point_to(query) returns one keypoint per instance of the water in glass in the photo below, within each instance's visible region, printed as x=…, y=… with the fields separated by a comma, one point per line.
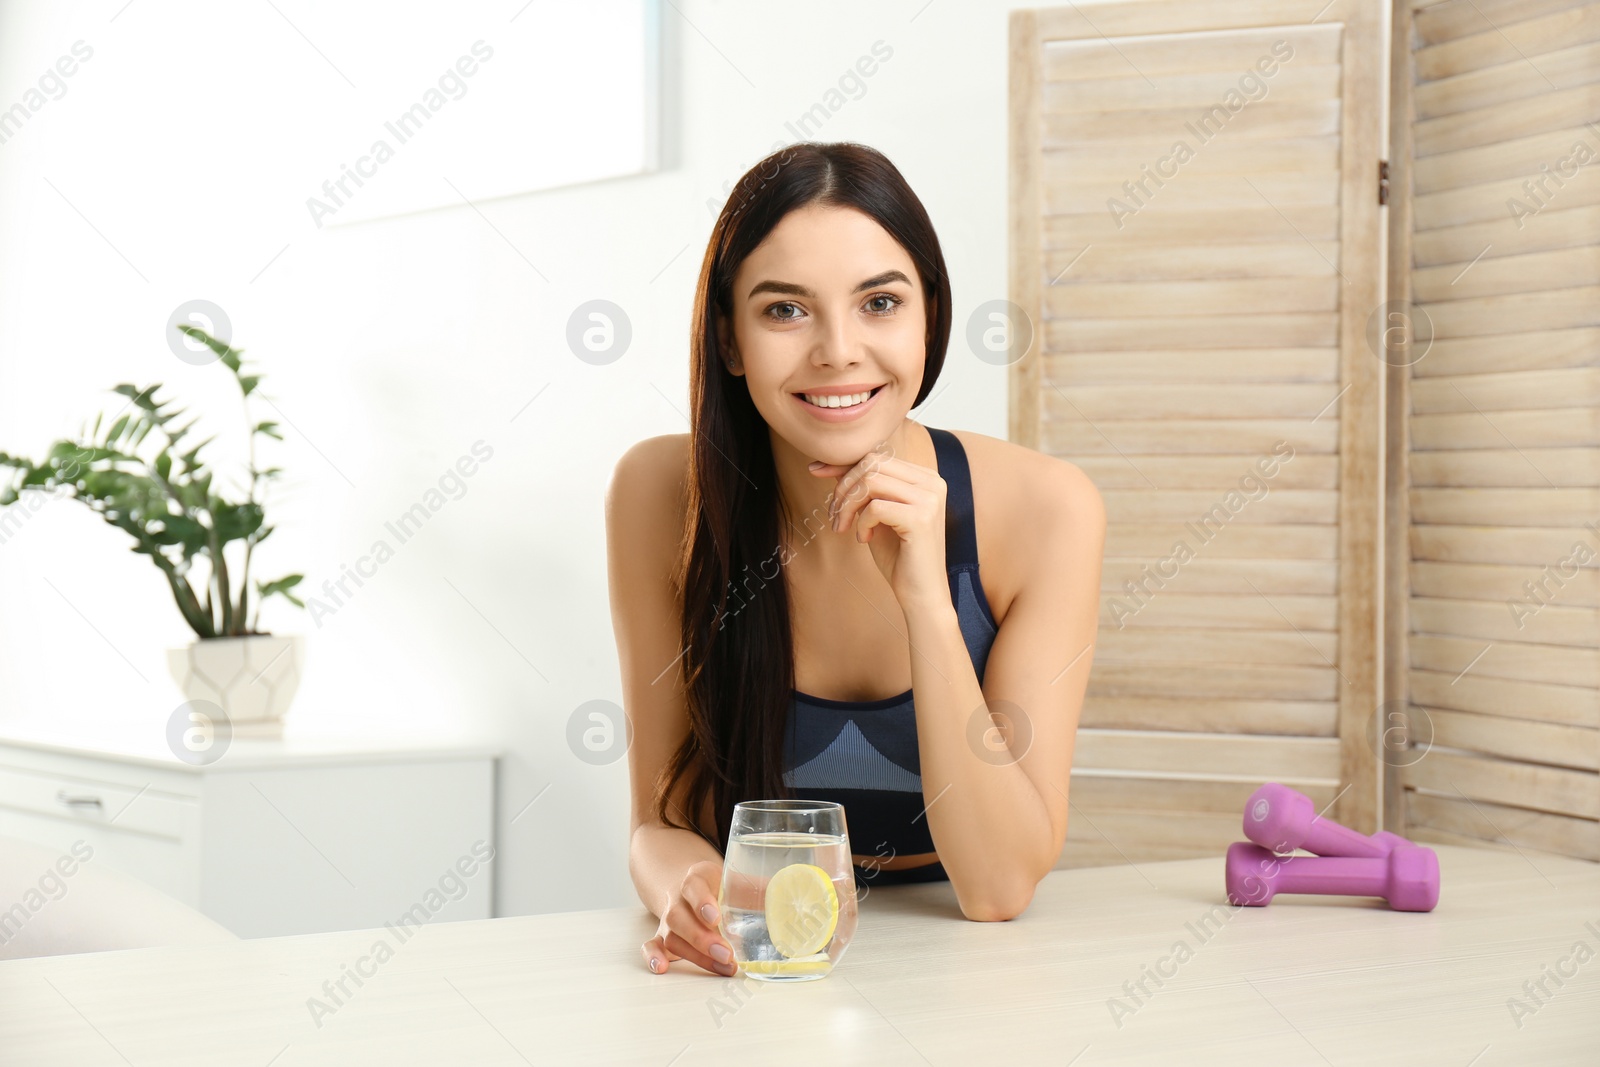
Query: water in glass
x=788, y=898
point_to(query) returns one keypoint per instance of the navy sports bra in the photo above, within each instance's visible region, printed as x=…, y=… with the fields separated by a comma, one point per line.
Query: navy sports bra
x=863, y=754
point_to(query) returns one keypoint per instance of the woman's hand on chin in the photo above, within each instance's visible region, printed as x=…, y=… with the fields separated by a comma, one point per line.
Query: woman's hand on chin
x=897, y=508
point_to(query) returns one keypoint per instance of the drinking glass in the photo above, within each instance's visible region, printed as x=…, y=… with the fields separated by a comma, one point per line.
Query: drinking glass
x=788, y=900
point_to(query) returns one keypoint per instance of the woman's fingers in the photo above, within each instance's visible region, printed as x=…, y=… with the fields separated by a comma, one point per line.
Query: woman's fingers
x=701, y=916
x=893, y=466
x=700, y=897
x=656, y=956
x=690, y=933
x=697, y=957
x=893, y=514
x=877, y=489
x=689, y=926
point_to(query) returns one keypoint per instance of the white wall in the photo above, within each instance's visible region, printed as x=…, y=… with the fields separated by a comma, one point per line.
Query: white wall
x=390, y=347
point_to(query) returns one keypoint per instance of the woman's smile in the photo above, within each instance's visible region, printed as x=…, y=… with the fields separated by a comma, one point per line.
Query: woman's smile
x=845, y=408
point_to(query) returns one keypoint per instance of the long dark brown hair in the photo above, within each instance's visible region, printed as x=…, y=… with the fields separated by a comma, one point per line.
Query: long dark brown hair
x=738, y=661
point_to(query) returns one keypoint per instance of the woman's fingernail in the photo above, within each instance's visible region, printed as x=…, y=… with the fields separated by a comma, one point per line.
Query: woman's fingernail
x=655, y=964
x=817, y=464
x=708, y=912
x=721, y=954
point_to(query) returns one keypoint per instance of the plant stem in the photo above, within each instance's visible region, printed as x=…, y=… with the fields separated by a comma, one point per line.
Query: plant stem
x=244, y=585
x=219, y=571
x=249, y=544
x=182, y=592
x=210, y=627
x=187, y=602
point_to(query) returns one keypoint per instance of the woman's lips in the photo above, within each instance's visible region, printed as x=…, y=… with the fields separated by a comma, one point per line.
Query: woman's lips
x=840, y=414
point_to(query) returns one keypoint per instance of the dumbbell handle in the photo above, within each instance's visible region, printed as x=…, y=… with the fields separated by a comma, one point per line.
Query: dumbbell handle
x=1353, y=876
x=1283, y=819
x=1330, y=839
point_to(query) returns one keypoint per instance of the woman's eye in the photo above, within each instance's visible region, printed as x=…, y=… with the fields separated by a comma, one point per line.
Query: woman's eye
x=889, y=303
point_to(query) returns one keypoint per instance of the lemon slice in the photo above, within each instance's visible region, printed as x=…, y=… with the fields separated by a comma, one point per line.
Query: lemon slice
x=813, y=964
x=802, y=909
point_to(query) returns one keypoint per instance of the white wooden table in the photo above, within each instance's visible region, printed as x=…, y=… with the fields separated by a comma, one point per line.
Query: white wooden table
x=1308, y=980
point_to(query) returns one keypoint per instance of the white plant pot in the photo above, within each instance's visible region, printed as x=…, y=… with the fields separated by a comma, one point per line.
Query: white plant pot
x=252, y=679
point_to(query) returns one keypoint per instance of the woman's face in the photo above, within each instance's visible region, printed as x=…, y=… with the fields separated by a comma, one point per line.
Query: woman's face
x=829, y=303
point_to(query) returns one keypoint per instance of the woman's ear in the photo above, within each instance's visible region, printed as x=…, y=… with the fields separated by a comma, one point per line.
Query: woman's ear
x=727, y=345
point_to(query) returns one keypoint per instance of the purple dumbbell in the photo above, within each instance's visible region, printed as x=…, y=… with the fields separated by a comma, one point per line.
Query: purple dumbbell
x=1407, y=876
x=1282, y=819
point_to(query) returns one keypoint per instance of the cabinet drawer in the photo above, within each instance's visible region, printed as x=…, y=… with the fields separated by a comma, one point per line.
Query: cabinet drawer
x=170, y=866
x=112, y=805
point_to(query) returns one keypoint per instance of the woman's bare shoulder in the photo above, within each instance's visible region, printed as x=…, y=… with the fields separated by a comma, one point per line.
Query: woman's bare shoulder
x=654, y=473
x=660, y=452
x=1011, y=474
x=1014, y=488
x=647, y=496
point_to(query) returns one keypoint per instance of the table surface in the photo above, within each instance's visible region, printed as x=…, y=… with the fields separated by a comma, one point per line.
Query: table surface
x=1306, y=980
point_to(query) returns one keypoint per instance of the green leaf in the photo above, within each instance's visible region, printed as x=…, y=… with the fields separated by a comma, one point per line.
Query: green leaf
x=248, y=382
x=281, y=587
x=233, y=521
x=228, y=354
x=71, y=454
x=174, y=436
x=268, y=428
x=141, y=397
x=191, y=458
x=164, y=464
x=145, y=426
x=182, y=530
x=192, y=496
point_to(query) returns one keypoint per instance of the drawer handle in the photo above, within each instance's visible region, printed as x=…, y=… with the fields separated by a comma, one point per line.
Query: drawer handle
x=78, y=802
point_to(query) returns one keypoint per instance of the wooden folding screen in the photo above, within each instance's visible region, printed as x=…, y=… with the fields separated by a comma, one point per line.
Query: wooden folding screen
x=1195, y=240
x=1493, y=615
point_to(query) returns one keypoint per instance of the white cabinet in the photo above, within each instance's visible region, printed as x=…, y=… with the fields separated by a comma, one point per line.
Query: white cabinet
x=302, y=834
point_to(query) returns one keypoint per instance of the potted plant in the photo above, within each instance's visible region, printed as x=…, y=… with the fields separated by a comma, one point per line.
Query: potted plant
x=166, y=501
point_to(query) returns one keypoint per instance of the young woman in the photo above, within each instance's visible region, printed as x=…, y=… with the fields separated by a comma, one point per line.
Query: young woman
x=795, y=582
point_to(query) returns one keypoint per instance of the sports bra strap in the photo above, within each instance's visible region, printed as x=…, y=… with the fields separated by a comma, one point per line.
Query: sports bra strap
x=960, y=527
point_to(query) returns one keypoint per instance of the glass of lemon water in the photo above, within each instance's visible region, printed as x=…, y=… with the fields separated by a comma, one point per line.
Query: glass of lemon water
x=788, y=899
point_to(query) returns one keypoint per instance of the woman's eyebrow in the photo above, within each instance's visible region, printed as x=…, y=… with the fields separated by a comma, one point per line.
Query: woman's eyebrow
x=791, y=289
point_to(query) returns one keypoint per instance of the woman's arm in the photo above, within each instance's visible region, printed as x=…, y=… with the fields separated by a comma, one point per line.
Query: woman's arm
x=678, y=873
x=996, y=759
x=659, y=858
x=643, y=509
